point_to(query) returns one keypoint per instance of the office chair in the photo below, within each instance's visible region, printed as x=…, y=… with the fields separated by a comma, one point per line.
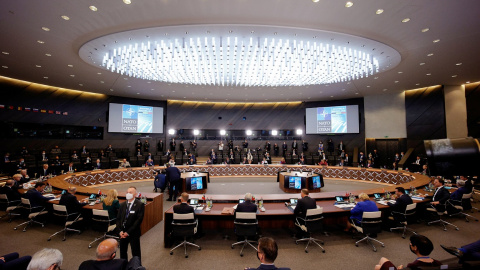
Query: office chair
x=9, y=207
x=61, y=212
x=440, y=210
x=33, y=212
x=404, y=218
x=103, y=221
x=245, y=226
x=371, y=224
x=184, y=225
x=310, y=224
x=457, y=208
x=472, y=199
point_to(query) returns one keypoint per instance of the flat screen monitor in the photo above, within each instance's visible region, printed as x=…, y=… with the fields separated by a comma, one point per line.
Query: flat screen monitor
x=377, y=196
x=295, y=182
x=315, y=182
x=193, y=201
x=196, y=183
x=293, y=201
x=332, y=120
x=126, y=118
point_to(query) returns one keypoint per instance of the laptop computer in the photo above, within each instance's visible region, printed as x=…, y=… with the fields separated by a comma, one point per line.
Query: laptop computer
x=377, y=196
x=92, y=198
x=339, y=199
x=193, y=202
x=293, y=201
x=241, y=200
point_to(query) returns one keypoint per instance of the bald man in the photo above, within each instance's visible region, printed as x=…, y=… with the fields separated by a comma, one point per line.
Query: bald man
x=70, y=201
x=106, y=252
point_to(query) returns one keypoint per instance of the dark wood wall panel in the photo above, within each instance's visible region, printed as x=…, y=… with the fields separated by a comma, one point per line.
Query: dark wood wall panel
x=472, y=94
x=425, y=112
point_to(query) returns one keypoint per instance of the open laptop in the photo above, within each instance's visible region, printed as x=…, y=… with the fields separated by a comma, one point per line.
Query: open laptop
x=241, y=200
x=92, y=198
x=194, y=202
x=340, y=200
x=293, y=201
x=378, y=196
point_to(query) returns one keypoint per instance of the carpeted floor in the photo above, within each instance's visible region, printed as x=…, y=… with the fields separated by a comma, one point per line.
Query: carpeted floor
x=216, y=253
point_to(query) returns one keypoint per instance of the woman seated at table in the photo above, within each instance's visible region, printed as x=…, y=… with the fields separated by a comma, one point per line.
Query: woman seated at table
x=283, y=161
x=323, y=162
x=111, y=203
x=364, y=205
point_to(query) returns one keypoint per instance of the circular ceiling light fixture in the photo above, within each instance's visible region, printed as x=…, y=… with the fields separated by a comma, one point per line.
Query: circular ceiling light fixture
x=239, y=55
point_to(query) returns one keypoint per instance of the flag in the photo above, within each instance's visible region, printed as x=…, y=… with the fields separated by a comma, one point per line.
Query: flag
x=65, y=113
x=35, y=110
x=58, y=112
x=2, y=106
x=43, y=111
x=10, y=107
x=50, y=111
x=19, y=108
x=27, y=109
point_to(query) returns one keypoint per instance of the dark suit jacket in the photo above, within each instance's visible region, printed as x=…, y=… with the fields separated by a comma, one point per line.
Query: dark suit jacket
x=12, y=193
x=71, y=202
x=303, y=205
x=401, y=203
x=42, y=172
x=268, y=267
x=246, y=206
x=115, y=264
x=458, y=194
x=183, y=208
x=131, y=225
x=36, y=198
x=172, y=174
x=441, y=195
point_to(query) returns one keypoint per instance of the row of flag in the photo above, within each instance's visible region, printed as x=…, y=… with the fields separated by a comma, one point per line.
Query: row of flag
x=27, y=109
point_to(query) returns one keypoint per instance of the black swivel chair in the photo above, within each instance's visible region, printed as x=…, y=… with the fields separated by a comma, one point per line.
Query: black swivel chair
x=70, y=218
x=458, y=208
x=440, y=210
x=371, y=224
x=32, y=214
x=9, y=207
x=404, y=218
x=245, y=226
x=103, y=222
x=310, y=224
x=184, y=225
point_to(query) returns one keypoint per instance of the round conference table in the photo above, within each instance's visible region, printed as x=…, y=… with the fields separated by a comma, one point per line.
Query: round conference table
x=274, y=203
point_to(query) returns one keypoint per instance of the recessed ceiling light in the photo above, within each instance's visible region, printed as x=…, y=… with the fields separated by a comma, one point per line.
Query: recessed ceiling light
x=385, y=89
x=72, y=75
x=70, y=65
x=40, y=41
x=38, y=66
x=428, y=74
x=45, y=29
x=93, y=8
x=396, y=81
x=111, y=89
x=47, y=54
x=331, y=96
x=356, y=93
x=453, y=76
x=430, y=54
x=406, y=20
x=458, y=64
x=128, y=2
x=348, y=4
x=102, y=82
x=400, y=72
x=417, y=84
x=66, y=18
x=436, y=40
x=81, y=84
x=315, y=1
x=421, y=64
x=5, y=53
x=138, y=93
x=4, y=67
x=129, y=86
x=45, y=77
x=99, y=73
x=425, y=30
x=379, y=11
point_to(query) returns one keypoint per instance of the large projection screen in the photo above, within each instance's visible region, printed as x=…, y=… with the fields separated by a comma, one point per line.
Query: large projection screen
x=332, y=120
x=126, y=118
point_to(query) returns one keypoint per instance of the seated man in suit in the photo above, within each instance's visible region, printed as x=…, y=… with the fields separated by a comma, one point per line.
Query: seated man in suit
x=25, y=178
x=35, y=195
x=183, y=207
x=267, y=253
x=11, y=191
x=98, y=165
x=124, y=164
x=247, y=205
x=305, y=203
x=458, y=194
x=401, y=202
x=440, y=196
x=70, y=201
x=106, y=252
x=44, y=171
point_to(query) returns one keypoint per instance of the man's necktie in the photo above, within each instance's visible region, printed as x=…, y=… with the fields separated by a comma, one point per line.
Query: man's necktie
x=128, y=210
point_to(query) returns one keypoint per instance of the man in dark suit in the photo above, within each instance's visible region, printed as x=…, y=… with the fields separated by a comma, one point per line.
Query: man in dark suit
x=10, y=190
x=44, y=171
x=247, y=205
x=401, y=202
x=183, y=207
x=71, y=202
x=106, y=252
x=305, y=203
x=35, y=195
x=284, y=148
x=160, y=146
x=173, y=144
x=267, y=253
x=129, y=219
x=70, y=167
x=441, y=195
x=173, y=178
x=98, y=165
x=25, y=178
x=294, y=145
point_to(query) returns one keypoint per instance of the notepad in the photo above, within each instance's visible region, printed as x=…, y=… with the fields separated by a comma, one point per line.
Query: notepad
x=228, y=210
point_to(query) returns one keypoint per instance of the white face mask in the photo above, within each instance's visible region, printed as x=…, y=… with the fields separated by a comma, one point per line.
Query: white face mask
x=129, y=196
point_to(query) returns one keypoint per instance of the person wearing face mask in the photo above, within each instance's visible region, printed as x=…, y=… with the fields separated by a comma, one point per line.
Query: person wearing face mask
x=421, y=246
x=129, y=219
x=266, y=254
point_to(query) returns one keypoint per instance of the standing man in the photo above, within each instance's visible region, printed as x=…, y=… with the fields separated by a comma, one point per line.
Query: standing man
x=172, y=177
x=245, y=146
x=304, y=146
x=173, y=144
x=284, y=148
x=129, y=219
x=294, y=147
x=160, y=146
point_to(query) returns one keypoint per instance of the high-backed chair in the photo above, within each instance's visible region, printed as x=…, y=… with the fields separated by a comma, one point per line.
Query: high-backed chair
x=459, y=207
x=245, y=226
x=32, y=214
x=371, y=225
x=310, y=224
x=9, y=207
x=184, y=225
x=104, y=223
x=404, y=218
x=70, y=218
x=440, y=211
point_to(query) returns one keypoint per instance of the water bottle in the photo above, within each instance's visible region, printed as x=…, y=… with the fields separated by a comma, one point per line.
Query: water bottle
x=260, y=203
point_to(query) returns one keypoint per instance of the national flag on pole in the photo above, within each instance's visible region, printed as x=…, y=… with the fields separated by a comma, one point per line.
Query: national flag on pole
x=35, y=110
x=65, y=113
x=27, y=109
x=58, y=112
x=50, y=111
x=43, y=111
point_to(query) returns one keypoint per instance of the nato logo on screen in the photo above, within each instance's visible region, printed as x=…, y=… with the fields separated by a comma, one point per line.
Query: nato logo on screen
x=137, y=118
